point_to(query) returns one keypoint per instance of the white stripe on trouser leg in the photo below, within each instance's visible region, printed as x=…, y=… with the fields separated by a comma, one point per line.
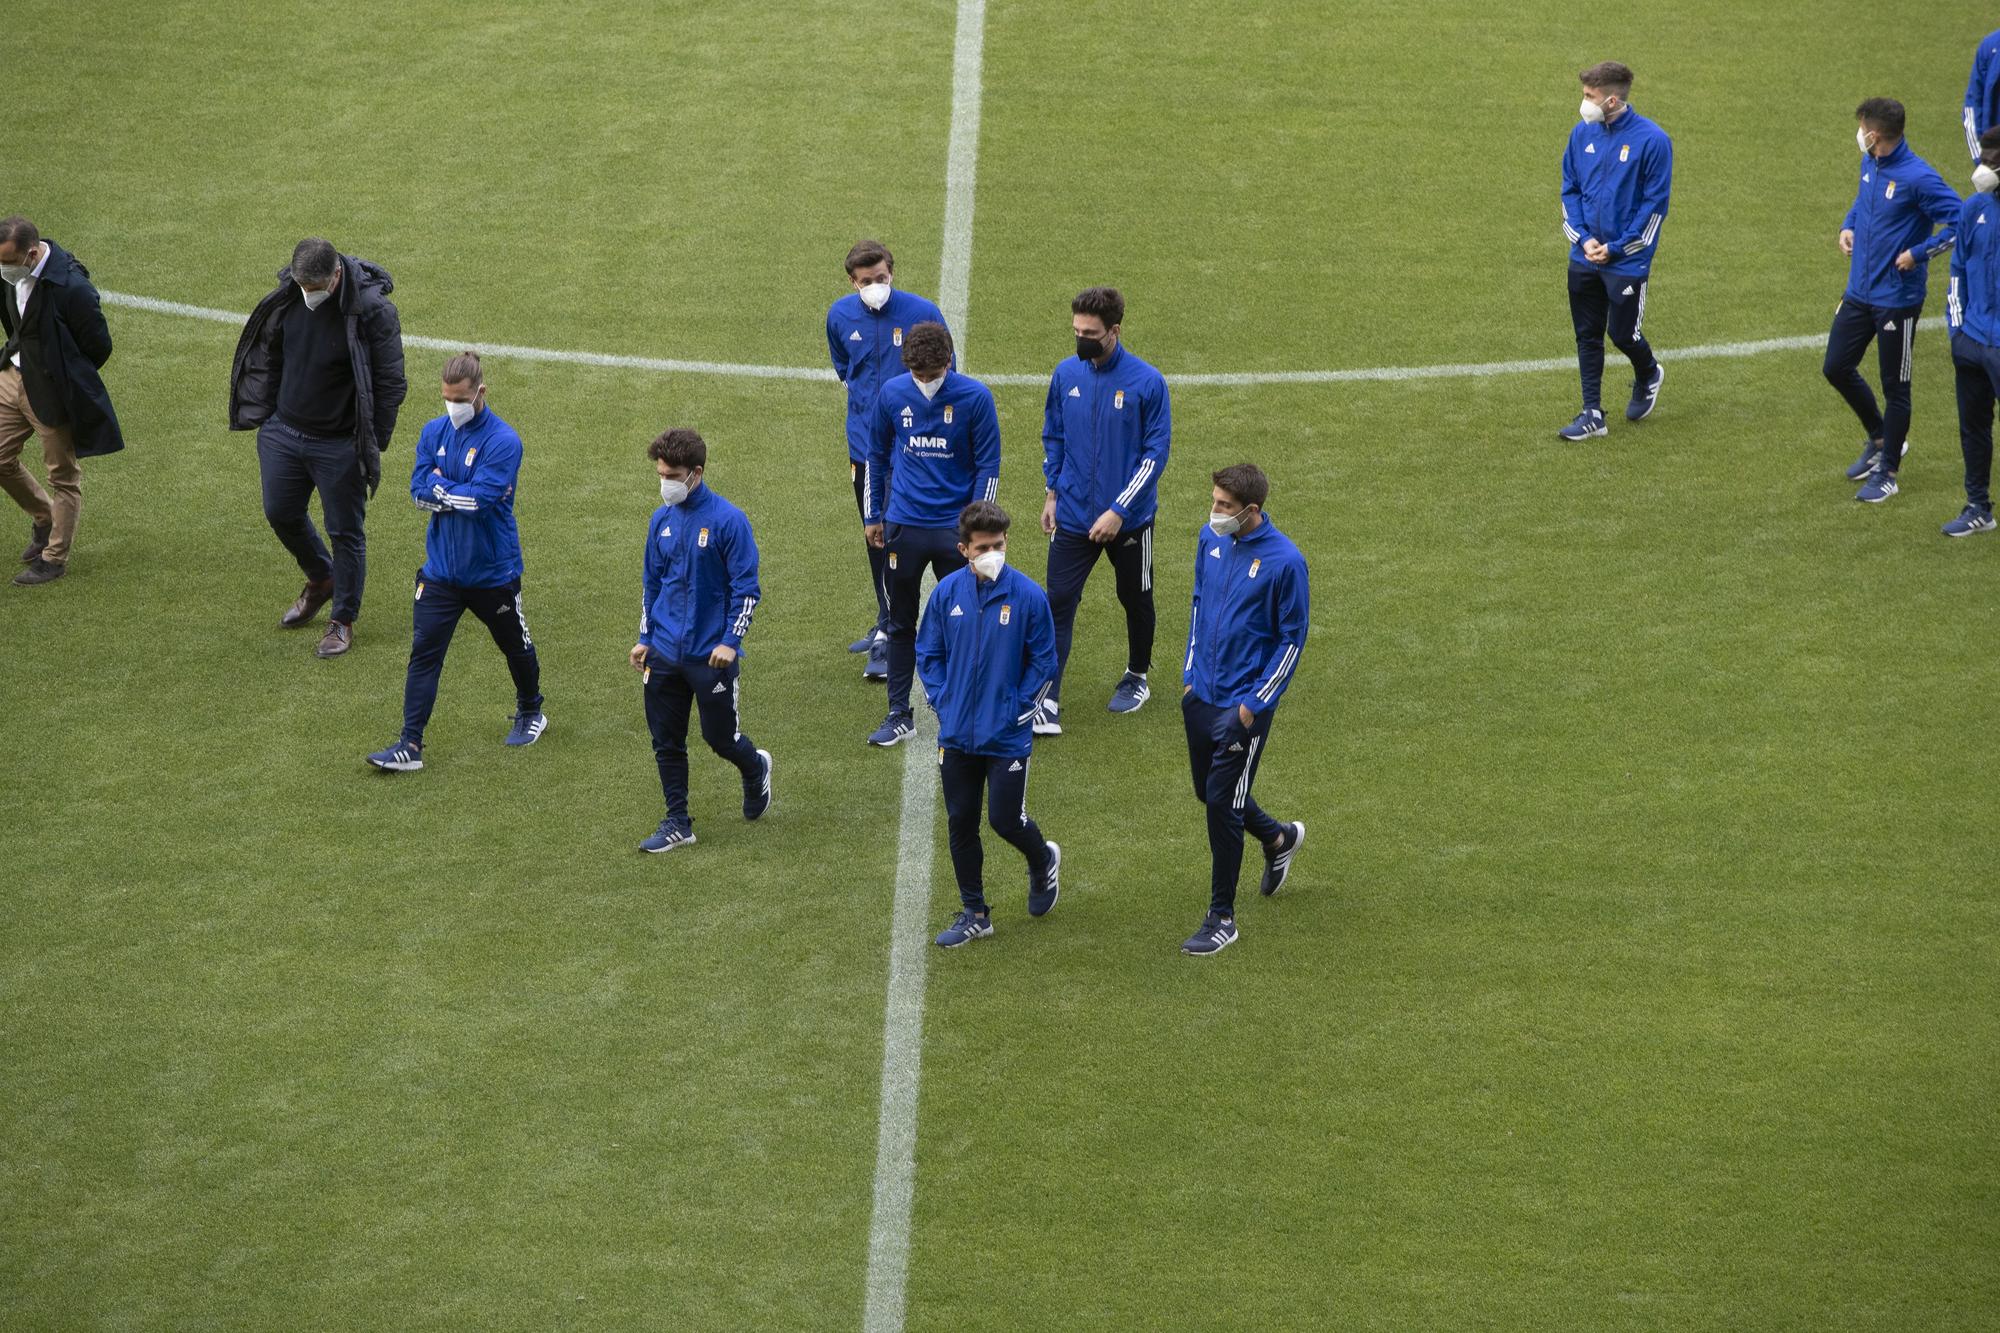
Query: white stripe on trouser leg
x=1639, y=319
x=735, y=711
x=521, y=616
x=1909, y=343
x=1249, y=762
x=1146, y=561
x=1024, y=791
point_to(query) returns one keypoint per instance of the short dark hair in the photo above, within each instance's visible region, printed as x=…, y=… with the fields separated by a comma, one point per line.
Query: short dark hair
x=463, y=369
x=314, y=259
x=981, y=516
x=867, y=254
x=18, y=232
x=1103, y=302
x=1245, y=481
x=1608, y=75
x=927, y=346
x=1884, y=115
x=679, y=447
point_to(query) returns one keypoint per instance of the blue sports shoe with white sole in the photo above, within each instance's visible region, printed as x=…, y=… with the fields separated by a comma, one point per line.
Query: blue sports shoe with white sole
x=1879, y=487
x=1646, y=397
x=1971, y=519
x=670, y=834
x=402, y=757
x=757, y=791
x=966, y=927
x=527, y=728
x=1131, y=692
x=1589, y=424
x=1216, y=934
x=895, y=729
x=1041, y=899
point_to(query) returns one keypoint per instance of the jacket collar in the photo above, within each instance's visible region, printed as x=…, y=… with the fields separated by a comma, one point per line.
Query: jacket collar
x=1111, y=362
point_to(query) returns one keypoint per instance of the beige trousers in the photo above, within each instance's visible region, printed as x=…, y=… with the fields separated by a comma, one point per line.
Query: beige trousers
x=60, y=505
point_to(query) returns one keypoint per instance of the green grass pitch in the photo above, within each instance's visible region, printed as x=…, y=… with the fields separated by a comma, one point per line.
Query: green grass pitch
x=1642, y=970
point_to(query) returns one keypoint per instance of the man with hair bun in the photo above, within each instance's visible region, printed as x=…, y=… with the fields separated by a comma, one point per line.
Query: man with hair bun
x=468, y=462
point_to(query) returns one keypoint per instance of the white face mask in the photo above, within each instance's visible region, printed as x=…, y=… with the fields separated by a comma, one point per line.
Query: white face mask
x=989, y=564
x=1985, y=178
x=15, y=272
x=314, y=300
x=931, y=388
x=875, y=295
x=672, y=492
x=1224, y=525
x=460, y=413
x=1862, y=137
x=1590, y=111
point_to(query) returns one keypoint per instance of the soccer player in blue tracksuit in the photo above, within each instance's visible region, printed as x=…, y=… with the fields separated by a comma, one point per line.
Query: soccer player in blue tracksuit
x=701, y=588
x=864, y=335
x=1105, y=433
x=1973, y=310
x=1617, y=174
x=1246, y=630
x=1887, y=236
x=987, y=654
x=933, y=448
x=1982, y=92
x=466, y=466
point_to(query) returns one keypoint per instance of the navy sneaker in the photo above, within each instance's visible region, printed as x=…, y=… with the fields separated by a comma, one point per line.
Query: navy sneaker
x=757, y=791
x=1040, y=900
x=1871, y=454
x=402, y=757
x=1278, y=864
x=1879, y=487
x=966, y=927
x=1216, y=934
x=527, y=728
x=864, y=643
x=670, y=834
x=1646, y=396
x=1131, y=692
x=1971, y=519
x=895, y=729
x=877, y=666
x=1045, y=723
x=1589, y=424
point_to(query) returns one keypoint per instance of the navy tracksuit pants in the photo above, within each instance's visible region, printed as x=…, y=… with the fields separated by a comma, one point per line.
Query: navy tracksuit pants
x=908, y=551
x=1003, y=780
x=1854, y=324
x=1223, y=755
x=878, y=558
x=1977, y=369
x=1072, y=555
x=434, y=615
x=1603, y=303
x=672, y=689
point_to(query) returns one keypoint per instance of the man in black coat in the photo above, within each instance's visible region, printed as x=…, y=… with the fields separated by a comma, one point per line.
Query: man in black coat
x=318, y=375
x=49, y=386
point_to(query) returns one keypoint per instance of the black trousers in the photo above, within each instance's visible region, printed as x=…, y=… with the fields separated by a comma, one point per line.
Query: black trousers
x=1854, y=324
x=293, y=465
x=434, y=615
x=1603, y=303
x=1223, y=755
x=878, y=558
x=908, y=552
x=671, y=689
x=1072, y=555
x=1976, y=367
x=1004, y=783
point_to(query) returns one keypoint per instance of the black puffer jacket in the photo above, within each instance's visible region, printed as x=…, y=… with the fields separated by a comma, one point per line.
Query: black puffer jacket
x=374, y=345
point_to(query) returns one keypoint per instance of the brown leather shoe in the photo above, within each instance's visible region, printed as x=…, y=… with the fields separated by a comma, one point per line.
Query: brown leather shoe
x=38, y=540
x=339, y=638
x=42, y=571
x=311, y=598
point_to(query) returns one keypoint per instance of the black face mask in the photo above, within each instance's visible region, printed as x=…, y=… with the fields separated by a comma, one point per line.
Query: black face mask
x=1089, y=348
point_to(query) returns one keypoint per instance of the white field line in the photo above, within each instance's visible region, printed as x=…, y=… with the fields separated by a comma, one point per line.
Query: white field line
x=903, y=1012
x=1226, y=379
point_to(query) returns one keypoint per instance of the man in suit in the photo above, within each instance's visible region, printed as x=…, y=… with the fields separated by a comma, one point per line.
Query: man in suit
x=56, y=341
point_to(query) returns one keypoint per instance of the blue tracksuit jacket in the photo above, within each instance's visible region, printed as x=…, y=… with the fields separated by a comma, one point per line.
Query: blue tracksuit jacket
x=700, y=577
x=1982, y=92
x=928, y=458
x=1248, y=624
x=1105, y=435
x=472, y=541
x=986, y=653
x=1973, y=304
x=1615, y=182
x=867, y=350
x=1899, y=197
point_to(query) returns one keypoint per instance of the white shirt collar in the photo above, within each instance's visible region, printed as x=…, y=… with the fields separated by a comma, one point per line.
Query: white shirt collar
x=43, y=262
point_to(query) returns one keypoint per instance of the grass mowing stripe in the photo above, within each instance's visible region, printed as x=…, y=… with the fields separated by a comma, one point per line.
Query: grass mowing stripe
x=903, y=1013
